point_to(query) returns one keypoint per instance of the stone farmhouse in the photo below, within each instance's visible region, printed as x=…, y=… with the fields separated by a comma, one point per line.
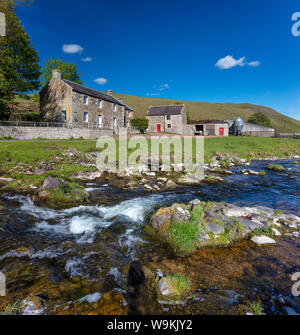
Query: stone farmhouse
x=81, y=107
x=167, y=119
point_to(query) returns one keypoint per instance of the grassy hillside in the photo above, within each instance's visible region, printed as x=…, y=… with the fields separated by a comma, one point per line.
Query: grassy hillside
x=196, y=110
x=214, y=111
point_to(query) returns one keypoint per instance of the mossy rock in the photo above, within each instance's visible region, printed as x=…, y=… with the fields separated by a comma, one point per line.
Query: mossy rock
x=276, y=167
x=173, y=289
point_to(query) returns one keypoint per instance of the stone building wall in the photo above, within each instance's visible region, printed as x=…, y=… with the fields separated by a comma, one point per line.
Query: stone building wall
x=177, y=123
x=55, y=97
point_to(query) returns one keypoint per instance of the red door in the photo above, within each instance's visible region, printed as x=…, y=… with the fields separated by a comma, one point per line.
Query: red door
x=221, y=131
x=158, y=128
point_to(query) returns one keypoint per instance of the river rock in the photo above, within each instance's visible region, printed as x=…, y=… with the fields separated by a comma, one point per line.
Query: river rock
x=6, y=180
x=214, y=228
x=276, y=232
x=190, y=179
x=195, y=202
x=170, y=185
x=88, y=176
x=262, y=240
x=163, y=287
x=51, y=183
x=148, y=188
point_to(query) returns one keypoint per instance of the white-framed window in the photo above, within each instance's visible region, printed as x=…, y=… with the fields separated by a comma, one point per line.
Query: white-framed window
x=115, y=107
x=114, y=122
x=85, y=117
x=169, y=125
x=99, y=103
x=100, y=121
x=85, y=100
x=169, y=117
x=63, y=115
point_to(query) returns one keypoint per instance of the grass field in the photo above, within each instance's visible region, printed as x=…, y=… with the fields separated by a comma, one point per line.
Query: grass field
x=12, y=152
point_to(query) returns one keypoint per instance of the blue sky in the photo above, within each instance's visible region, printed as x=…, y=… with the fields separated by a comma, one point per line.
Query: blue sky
x=214, y=51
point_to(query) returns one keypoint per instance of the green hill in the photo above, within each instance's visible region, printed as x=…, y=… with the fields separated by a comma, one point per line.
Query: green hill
x=214, y=111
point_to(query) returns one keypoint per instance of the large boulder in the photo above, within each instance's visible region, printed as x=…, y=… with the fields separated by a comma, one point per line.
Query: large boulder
x=51, y=183
x=166, y=215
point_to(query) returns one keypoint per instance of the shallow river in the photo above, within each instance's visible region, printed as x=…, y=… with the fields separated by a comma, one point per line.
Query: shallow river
x=76, y=260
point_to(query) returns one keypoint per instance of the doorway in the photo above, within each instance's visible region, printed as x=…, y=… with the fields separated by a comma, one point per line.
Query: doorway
x=158, y=128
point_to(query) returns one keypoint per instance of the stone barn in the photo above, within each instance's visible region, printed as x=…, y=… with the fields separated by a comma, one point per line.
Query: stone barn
x=167, y=119
x=208, y=128
x=82, y=107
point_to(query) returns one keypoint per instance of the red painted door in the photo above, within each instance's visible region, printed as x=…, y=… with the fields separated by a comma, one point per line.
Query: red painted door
x=158, y=128
x=221, y=131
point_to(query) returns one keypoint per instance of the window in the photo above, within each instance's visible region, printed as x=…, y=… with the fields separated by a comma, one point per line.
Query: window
x=99, y=121
x=85, y=99
x=169, y=126
x=63, y=115
x=169, y=117
x=115, y=107
x=99, y=103
x=114, y=122
x=85, y=117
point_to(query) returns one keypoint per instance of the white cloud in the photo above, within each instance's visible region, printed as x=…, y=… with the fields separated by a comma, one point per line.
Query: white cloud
x=72, y=48
x=254, y=63
x=87, y=59
x=229, y=62
x=100, y=81
x=159, y=89
x=152, y=94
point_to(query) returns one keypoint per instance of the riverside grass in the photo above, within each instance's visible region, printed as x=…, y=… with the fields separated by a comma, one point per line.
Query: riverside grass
x=245, y=147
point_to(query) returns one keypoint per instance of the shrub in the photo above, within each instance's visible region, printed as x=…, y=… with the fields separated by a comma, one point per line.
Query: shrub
x=262, y=172
x=183, y=237
x=256, y=308
x=260, y=119
x=140, y=123
x=180, y=284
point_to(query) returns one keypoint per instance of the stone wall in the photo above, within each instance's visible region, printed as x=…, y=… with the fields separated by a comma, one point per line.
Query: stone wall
x=53, y=133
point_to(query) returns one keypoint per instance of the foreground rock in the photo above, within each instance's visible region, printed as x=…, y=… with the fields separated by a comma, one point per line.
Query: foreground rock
x=57, y=194
x=187, y=227
x=262, y=240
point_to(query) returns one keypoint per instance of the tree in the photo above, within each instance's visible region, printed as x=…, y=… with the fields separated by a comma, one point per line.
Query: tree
x=68, y=71
x=140, y=124
x=19, y=62
x=260, y=119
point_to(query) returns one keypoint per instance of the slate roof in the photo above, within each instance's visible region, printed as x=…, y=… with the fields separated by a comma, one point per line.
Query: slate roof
x=95, y=94
x=165, y=110
x=207, y=122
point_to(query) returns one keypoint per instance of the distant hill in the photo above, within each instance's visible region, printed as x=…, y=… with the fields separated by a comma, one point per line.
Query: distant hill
x=214, y=111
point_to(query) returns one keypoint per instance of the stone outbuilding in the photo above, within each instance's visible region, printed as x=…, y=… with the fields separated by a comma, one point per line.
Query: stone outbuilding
x=208, y=128
x=167, y=119
x=82, y=107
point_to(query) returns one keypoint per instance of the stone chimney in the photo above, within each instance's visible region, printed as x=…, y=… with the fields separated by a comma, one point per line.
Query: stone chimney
x=56, y=74
x=110, y=92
